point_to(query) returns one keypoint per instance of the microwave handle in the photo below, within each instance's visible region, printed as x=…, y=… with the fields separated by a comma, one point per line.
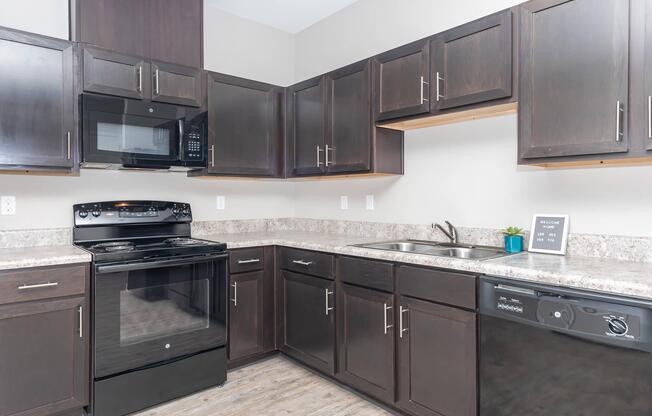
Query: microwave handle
x=180, y=124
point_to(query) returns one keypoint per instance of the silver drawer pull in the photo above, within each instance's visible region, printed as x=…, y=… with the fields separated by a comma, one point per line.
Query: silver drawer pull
x=422, y=83
x=235, y=293
x=38, y=286
x=302, y=262
x=619, y=121
x=248, y=261
x=80, y=311
x=328, y=293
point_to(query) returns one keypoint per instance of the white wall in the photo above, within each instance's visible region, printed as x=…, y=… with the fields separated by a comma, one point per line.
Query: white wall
x=46, y=17
x=465, y=172
x=229, y=41
x=237, y=46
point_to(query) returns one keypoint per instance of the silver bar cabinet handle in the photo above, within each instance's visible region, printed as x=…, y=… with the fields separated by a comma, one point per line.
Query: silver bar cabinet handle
x=422, y=83
x=140, y=78
x=319, y=150
x=235, y=293
x=248, y=261
x=326, y=294
x=329, y=149
x=38, y=286
x=212, y=150
x=156, y=81
x=619, y=115
x=69, y=144
x=302, y=262
x=80, y=311
x=439, y=94
x=649, y=117
x=400, y=321
x=385, y=309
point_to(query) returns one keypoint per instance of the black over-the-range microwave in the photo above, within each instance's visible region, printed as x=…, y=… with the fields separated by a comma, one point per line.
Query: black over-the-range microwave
x=125, y=133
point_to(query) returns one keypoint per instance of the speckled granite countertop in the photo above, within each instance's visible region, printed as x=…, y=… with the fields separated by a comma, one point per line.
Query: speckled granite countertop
x=16, y=258
x=596, y=274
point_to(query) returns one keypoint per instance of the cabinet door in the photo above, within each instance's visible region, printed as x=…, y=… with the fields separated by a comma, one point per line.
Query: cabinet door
x=348, y=147
x=246, y=320
x=37, y=101
x=309, y=320
x=472, y=63
x=401, y=79
x=573, y=78
x=176, y=31
x=176, y=84
x=119, y=25
x=111, y=73
x=245, y=126
x=647, y=42
x=306, y=128
x=43, y=357
x=366, y=340
x=437, y=366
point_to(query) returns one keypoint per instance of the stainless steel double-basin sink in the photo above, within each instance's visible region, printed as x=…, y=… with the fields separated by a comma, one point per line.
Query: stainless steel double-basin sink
x=451, y=250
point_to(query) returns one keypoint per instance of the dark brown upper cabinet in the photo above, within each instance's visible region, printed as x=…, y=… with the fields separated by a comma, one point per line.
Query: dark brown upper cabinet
x=245, y=127
x=401, y=79
x=108, y=72
x=472, y=63
x=164, y=30
x=307, y=305
x=349, y=125
x=37, y=126
x=573, y=82
x=437, y=359
x=641, y=88
x=366, y=340
x=306, y=127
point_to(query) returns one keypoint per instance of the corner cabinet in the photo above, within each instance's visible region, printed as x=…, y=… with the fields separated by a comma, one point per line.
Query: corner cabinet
x=245, y=127
x=331, y=130
x=574, y=79
x=37, y=125
x=45, y=341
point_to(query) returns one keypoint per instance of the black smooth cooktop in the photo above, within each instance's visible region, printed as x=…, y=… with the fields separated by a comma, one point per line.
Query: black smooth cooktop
x=149, y=248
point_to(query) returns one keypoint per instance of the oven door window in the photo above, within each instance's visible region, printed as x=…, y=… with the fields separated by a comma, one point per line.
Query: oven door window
x=123, y=138
x=144, y=317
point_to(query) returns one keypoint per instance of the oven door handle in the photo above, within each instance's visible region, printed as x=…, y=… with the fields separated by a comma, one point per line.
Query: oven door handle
x=114, y=268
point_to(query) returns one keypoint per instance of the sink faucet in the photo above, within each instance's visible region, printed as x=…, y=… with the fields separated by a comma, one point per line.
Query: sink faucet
x=451, y=233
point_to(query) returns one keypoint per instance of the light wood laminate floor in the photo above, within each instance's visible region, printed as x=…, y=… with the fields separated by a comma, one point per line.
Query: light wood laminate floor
x=274, y=387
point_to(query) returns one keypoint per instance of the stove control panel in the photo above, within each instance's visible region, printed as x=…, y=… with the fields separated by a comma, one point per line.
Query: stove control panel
x=131, y=212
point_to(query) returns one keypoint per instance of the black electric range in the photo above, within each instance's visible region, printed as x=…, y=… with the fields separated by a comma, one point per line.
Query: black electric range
x=159, y=297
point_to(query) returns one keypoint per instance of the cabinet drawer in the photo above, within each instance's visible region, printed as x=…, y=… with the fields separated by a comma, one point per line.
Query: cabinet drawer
x=372, y=274
x=22, y=286
x=246, y=260
x=308, y=262
x=452, y=288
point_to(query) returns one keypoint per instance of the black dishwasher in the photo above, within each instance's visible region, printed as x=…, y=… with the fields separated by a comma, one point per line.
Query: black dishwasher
x=560, y=352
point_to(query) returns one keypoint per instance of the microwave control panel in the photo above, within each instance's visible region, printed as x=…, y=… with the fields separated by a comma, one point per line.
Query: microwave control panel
x=193, y=141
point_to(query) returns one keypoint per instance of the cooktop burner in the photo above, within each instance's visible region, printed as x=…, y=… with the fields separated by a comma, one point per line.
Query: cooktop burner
x=113, y=246
x=182, y=241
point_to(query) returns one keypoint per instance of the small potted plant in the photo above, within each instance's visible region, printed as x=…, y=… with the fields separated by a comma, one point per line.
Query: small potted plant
x=513, y=239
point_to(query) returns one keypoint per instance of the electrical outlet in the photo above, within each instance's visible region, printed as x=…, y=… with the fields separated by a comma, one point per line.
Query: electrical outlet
x=220, y=202
x=8, y=205
x=369, y=202
x=344, y=202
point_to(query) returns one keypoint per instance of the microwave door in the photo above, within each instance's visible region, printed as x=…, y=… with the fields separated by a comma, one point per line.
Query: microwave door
x=130, y=140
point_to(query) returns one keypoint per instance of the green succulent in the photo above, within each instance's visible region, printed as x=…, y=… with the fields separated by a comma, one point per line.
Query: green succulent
x=512, y=231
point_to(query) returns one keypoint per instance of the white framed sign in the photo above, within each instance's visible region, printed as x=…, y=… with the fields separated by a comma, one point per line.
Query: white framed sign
x=549, y=234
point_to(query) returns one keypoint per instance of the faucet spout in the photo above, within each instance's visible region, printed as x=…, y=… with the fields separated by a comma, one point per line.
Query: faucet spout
x=451, y=233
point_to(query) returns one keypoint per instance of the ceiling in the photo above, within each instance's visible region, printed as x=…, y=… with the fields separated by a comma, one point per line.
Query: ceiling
x=288, y=15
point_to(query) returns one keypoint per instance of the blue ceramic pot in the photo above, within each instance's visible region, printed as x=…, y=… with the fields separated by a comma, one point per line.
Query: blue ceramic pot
x=513, y=243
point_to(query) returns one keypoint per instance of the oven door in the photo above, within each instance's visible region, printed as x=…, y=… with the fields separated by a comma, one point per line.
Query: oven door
x=150, y=312
x=133, y=133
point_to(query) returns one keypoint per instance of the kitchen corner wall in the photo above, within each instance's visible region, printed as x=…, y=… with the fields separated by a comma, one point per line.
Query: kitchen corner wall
x=46, y=201
x=467, y=172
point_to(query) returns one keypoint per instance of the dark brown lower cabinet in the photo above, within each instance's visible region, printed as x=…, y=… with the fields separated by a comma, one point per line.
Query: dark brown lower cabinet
x=308, y=323
x=251, y=298
x=44, y=356
x=437, y=359
x=366, y=340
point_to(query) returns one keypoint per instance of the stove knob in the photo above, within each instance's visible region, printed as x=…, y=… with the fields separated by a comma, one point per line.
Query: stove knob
x=83, y=214
x=618, y=326
x=186, y=211
x=96, y=212
x=175, y=210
